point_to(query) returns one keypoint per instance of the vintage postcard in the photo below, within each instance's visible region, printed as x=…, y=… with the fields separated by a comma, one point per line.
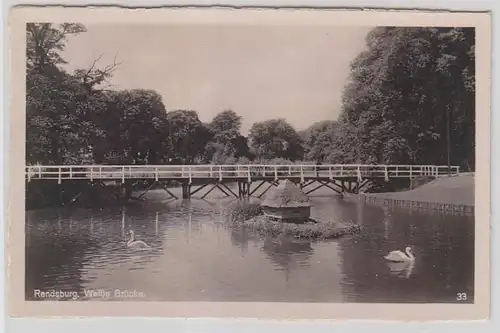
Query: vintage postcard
x=218, y=162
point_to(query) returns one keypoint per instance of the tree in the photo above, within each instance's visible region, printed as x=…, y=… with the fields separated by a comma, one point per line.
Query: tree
x=60, y=107
x=44, y=41
x=225, y=126
x=227, y=143
x=50, y=102
x=320, y=140
x=188, y=135
x=93, y=76
x=402, y=92
x=241, y=148
x=275, y=138
x=132, y=129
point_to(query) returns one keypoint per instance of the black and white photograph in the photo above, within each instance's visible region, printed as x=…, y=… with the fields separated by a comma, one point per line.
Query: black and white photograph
x=250, y=162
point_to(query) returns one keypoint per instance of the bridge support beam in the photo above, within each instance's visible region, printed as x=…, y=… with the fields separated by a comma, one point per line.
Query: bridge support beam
x=208, y=192
x=256, y=188
x=326, y=183
x=228, y=189
x=70, y=193
x=147, y=190
x=322, y=183
x=186, y=191
x=244, y=189
x=306, y=183
x=360, y=186
x=271, y=184
x=220, y=186
x=199, y=189
x=343, y=186
x=153, y=185
x=165, y=188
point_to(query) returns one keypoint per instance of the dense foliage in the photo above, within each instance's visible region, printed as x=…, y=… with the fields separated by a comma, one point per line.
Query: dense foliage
x=275, y=138
x=405, y=90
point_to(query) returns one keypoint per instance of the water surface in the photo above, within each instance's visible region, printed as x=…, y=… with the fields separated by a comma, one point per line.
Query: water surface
x=195, y=256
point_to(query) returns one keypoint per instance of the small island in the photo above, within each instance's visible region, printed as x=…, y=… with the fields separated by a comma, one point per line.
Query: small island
x=285, y=211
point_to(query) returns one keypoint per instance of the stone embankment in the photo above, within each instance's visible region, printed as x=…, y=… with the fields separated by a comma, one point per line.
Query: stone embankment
x=451, y=194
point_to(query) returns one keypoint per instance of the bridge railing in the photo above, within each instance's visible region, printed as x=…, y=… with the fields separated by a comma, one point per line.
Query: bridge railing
x=117, y=172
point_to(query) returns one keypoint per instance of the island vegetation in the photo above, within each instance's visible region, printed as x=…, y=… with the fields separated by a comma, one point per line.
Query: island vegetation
x=408, y=92
x=250, y=217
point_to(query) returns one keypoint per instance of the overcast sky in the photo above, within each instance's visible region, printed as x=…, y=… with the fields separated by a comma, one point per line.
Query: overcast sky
x=260, y=72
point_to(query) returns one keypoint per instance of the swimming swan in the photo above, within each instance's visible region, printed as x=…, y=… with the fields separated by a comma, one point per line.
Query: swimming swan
x=398, y=256
x=135, y=243
x=402, y=269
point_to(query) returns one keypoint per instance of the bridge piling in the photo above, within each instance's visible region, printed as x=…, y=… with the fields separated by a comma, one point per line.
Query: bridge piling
x=186, y=191
x=243, y=189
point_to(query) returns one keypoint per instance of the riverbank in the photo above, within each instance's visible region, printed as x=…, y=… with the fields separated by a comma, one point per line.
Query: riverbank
x=453, y=193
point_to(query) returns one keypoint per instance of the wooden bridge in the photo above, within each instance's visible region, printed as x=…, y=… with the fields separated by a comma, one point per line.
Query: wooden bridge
x=338, y=177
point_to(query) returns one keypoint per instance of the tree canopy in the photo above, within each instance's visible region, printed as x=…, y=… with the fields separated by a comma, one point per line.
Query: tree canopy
x=320, y=140
x=188, y=135
x=409, y=95
x=44, y=41
x=402, y=93
x=275, y=138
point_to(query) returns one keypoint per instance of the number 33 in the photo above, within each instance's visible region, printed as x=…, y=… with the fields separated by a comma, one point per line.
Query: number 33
x=461, y=296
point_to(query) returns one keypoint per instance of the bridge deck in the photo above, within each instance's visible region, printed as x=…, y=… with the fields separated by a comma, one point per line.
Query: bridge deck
x=233, y=172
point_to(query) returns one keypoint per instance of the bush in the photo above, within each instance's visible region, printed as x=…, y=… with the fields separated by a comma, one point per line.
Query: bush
x=250, y=216
x=243, y=211
x=311, y=231
x=243, y=160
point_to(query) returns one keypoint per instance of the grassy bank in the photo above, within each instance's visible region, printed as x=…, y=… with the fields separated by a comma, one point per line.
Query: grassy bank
x=447, y=193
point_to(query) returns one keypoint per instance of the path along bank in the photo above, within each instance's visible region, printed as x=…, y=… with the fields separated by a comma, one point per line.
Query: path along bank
x=450, y=194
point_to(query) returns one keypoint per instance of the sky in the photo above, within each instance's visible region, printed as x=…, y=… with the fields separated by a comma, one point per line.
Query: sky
x=260, y=72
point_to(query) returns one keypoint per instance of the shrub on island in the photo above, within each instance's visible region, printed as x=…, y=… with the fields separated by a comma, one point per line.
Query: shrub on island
x=250, y=216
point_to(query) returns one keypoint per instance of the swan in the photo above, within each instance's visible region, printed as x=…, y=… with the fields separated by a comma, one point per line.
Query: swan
x=135, y=243
x=398, y=256
x=402, y=269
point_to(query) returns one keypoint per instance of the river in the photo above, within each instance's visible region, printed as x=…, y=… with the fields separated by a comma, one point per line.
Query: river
x=195, y=256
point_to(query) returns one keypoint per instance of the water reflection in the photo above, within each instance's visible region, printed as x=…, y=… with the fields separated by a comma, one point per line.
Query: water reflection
x=360, y=212
x=51, y=261
x=287, y=254
x=123, y=222
x=68, y=254
x=157, y=223
x=91, y=226
x=368, y=277
x=387, y=221
x=197, y=256
x=401, y=269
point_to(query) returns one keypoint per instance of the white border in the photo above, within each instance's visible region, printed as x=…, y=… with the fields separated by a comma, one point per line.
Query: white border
x=217, y=325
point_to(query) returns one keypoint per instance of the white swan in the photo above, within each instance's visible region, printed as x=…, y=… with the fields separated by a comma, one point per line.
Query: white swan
x=398, y=256
x=402, y=269
x=136, y=243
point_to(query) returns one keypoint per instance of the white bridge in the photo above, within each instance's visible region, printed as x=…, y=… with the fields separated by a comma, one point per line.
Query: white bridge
x=249, y=173
x=340, y=178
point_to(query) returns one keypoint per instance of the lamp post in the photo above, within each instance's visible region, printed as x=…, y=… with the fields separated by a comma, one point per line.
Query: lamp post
x=448, y=139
